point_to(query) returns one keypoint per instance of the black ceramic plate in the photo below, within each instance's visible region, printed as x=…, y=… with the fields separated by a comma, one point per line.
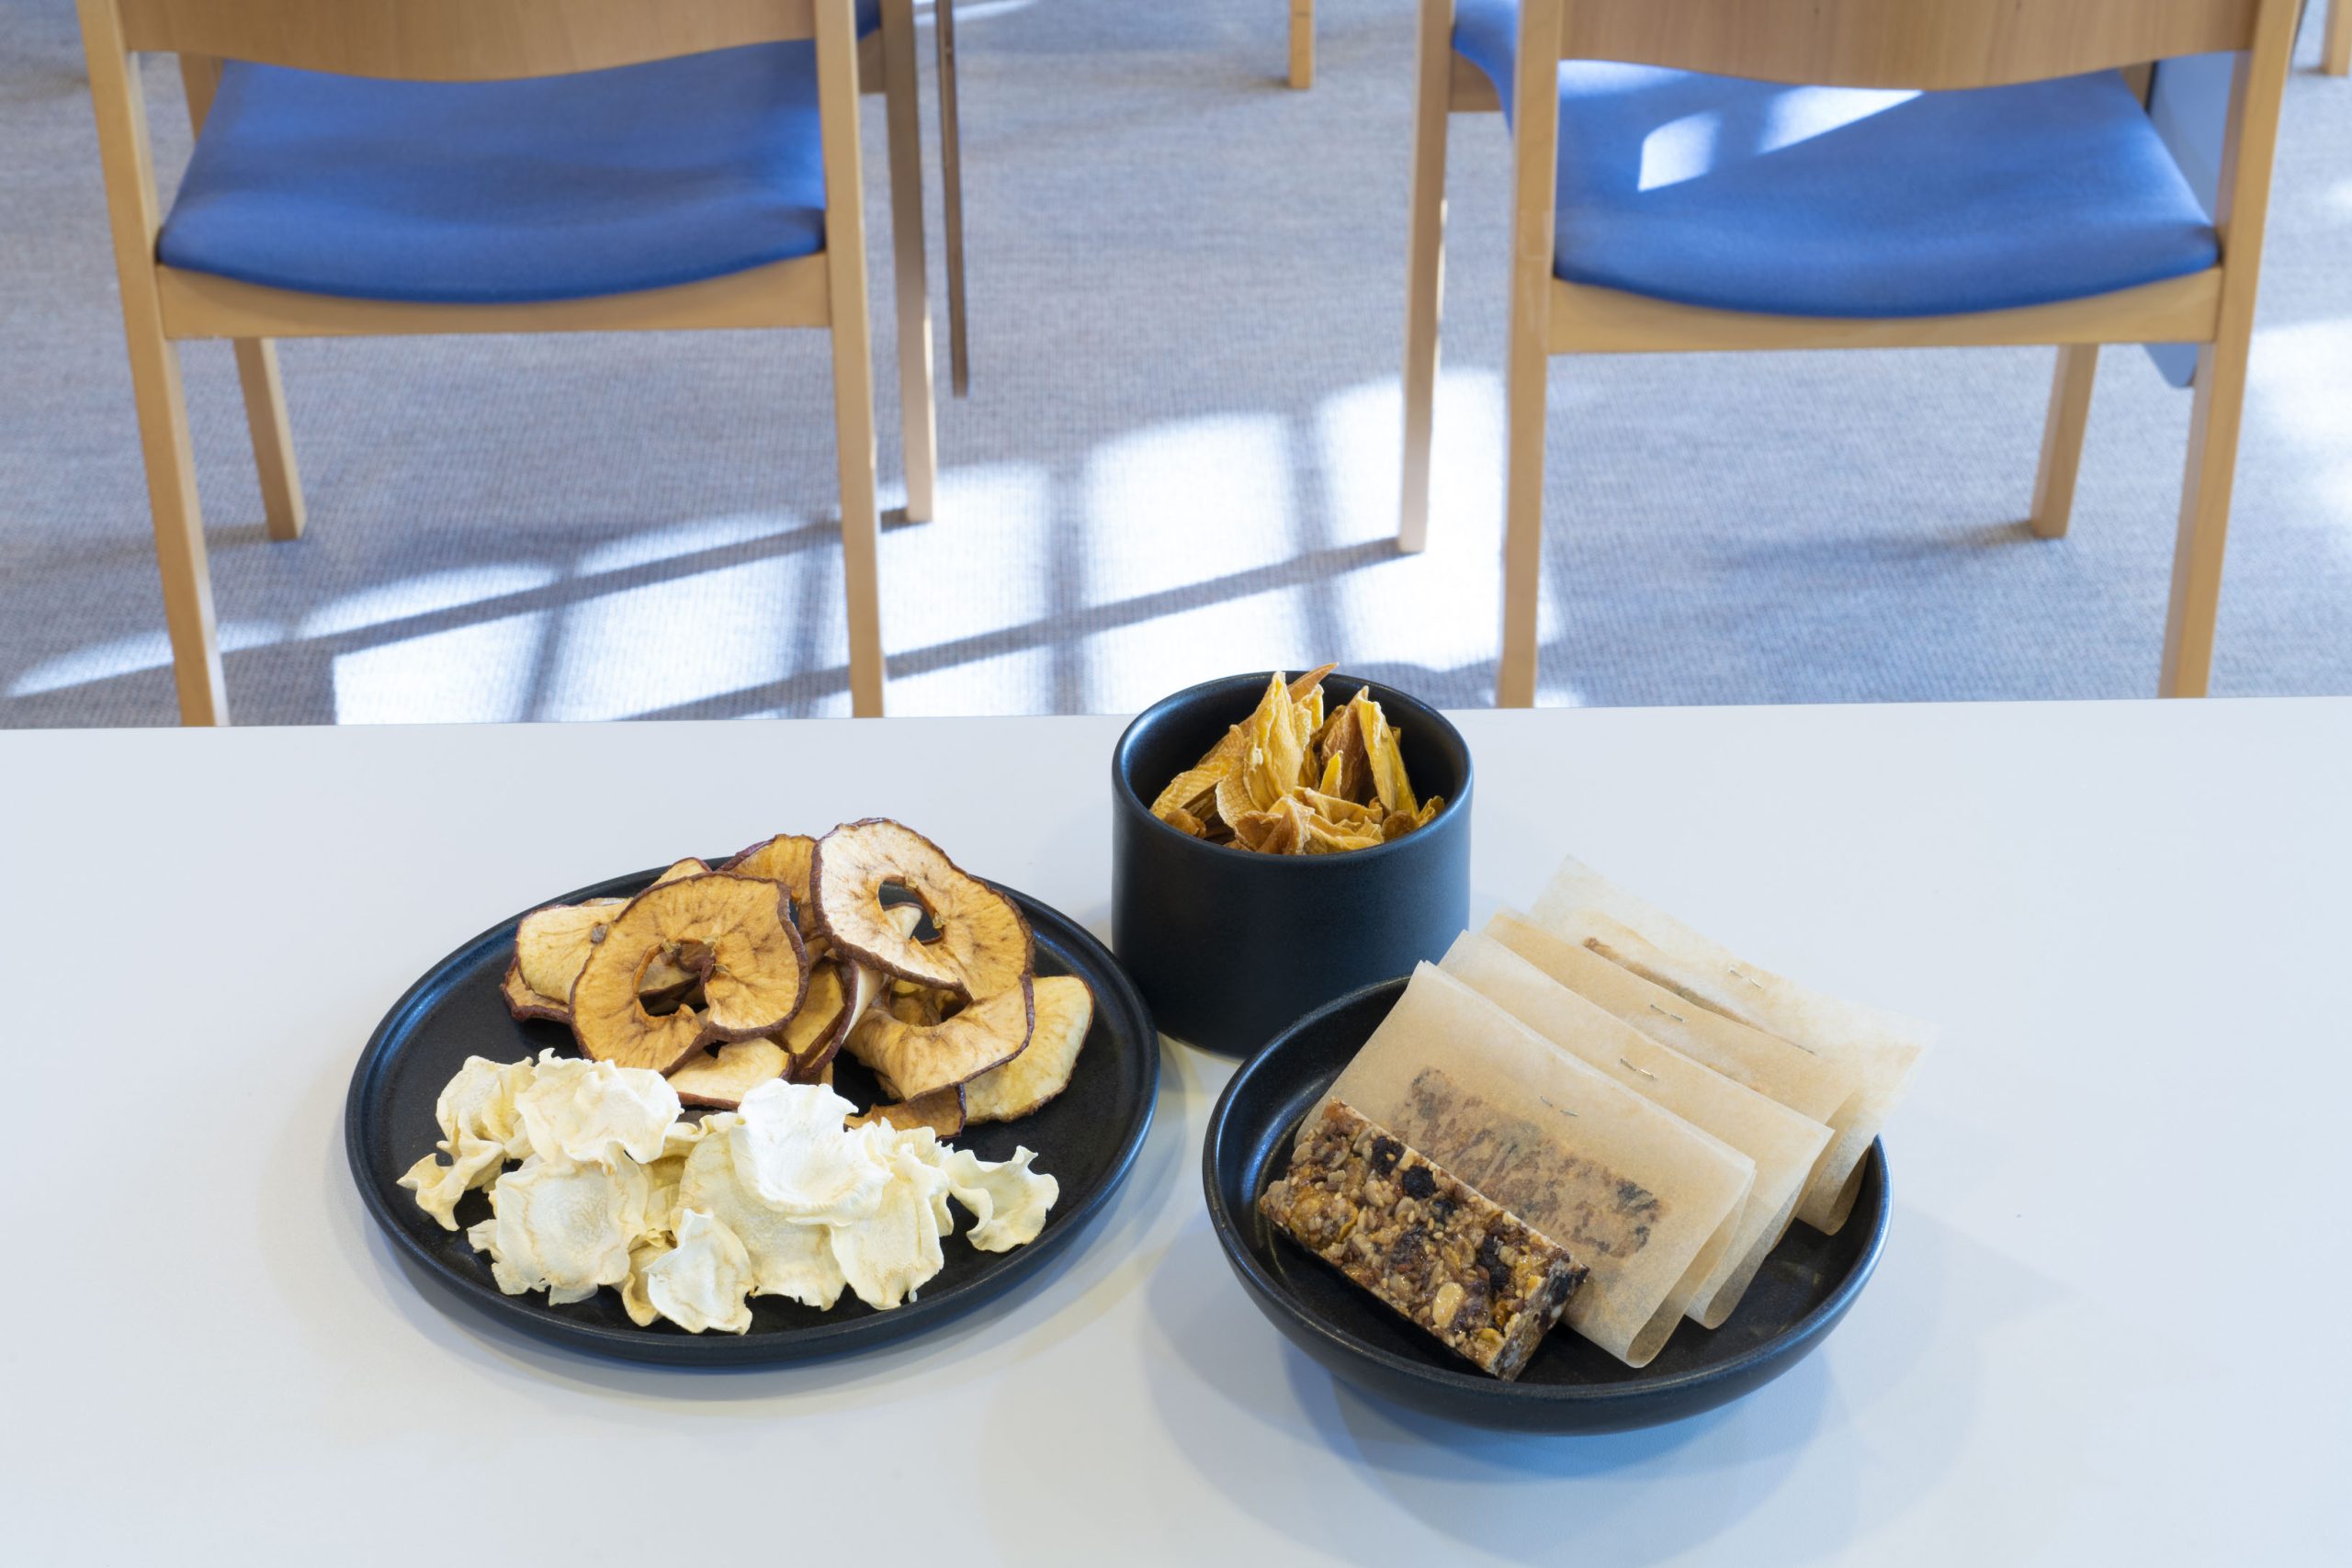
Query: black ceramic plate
x=1087, y=1139
x=1571, y=1385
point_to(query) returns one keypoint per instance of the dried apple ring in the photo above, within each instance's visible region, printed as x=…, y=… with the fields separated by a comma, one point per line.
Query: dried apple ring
x=983, y=947
x=733, y=932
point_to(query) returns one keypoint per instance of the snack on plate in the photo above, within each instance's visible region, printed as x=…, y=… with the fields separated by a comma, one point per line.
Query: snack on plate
x=1783, y=1144
x=553, y=944
x=689, y=1219
x=1435, y=1251
x=1882, y=1049
x=983, y=946
x=1065, y=1012
x=1645, y=1202
x=735, y=990
x=1288, y=781
x=925, y=973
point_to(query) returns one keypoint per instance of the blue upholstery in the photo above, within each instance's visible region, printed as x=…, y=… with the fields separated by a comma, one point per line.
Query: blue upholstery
x=555, y=187
x=1819, y=201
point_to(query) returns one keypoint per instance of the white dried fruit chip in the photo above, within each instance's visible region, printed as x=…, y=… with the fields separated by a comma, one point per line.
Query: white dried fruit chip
x=1009, y=1201
x=480, y=1103
x=701, y=1282
x=792, y=1150
x=475, y=1162
x=789, y=1258
x=565, y=1227
x=592, y=1113
x=634, y=1301
x=894, y=1251
x=679, y=1140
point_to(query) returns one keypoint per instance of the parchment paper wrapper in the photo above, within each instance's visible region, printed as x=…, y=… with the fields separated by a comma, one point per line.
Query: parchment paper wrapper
x=1783, y=1144
x=1883, y=1049
x=1637, y=1195
x=1809, y=1084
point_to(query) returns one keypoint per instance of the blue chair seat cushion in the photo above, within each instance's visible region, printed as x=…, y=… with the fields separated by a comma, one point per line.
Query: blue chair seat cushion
x=1763, y=198
x=557, y=188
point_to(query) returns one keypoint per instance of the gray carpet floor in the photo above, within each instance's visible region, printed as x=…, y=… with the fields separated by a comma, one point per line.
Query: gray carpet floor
x=1178, y=458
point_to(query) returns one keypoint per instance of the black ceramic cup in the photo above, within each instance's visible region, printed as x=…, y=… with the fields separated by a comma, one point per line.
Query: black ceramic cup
x=1228, y=946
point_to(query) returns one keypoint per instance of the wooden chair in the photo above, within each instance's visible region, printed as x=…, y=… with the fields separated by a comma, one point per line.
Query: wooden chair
x=1302, y=42
x=2118, y=255
x=750, y=214
x=2336, y=49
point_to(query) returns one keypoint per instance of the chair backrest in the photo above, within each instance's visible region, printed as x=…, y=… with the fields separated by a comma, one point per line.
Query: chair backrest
x=1927, y=44
x=456, y=40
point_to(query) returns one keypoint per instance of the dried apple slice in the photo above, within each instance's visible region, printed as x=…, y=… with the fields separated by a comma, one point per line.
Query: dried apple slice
x=942, y=1110
x=524, y=1002
x=817, y=1030
x=550, y=944
x=983, y=944
x=917, y=1060
x=732, y=931
x=784, y=858
x=722, y=1077
x=1065, y=1009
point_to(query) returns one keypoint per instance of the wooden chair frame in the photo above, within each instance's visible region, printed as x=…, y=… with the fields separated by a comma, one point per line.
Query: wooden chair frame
x=1302, y=43
x=492, y=39
x=2335, y=48
x=1885, y=43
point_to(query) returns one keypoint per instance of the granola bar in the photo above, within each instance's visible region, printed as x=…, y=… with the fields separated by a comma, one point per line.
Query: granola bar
x=1435, y=1250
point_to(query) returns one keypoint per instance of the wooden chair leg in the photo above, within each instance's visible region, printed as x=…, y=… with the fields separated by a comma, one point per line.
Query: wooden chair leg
x=1522, y=522
x=179, y=524
x=918, y=420
x=2204, y=520
x=134, y=217
x=852, y=336
x=281, y=483
x=1425, y=272
x=2336, y=50
x=1302, y=44
x=2062, y=439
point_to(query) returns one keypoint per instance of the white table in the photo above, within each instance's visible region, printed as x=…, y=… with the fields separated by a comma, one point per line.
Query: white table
x=2104, y=1330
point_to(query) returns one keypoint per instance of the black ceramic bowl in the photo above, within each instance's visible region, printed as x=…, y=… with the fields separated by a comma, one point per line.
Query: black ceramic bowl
x=1227, y=946
x=1805, y=1287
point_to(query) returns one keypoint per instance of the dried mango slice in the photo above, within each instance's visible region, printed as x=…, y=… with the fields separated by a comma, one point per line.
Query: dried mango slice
x=1292, y=779
x=1190, y=785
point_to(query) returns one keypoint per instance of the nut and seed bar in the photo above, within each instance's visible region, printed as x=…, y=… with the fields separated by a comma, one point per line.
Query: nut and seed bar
x=1435, y=1250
